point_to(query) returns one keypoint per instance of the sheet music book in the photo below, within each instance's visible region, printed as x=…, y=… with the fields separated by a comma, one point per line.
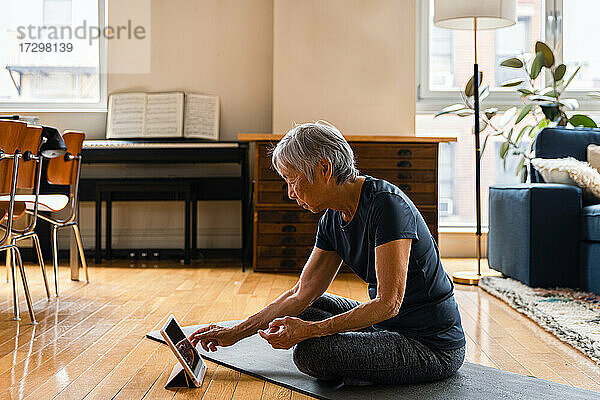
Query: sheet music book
x=139, y=115
x=201, y=116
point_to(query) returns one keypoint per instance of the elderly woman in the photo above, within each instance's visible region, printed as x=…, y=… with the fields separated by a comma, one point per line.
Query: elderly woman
x=410, y=331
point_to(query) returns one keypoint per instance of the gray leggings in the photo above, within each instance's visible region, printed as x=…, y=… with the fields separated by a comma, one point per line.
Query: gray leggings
x=369, y=355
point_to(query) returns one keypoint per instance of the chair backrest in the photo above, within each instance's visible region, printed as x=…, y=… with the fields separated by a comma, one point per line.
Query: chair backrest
x=11, y=133
x=61, y=171
x=563, y=142
x=17, y=135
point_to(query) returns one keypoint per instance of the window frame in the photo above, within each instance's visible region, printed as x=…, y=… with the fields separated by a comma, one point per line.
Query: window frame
x=430, y=101
x=69, y=106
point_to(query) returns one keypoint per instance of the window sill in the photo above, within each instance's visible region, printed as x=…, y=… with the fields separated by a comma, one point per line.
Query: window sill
x=461, y=229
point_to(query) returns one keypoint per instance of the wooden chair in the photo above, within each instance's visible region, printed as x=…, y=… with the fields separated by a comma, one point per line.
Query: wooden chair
x=64, y=171
x=12, y=133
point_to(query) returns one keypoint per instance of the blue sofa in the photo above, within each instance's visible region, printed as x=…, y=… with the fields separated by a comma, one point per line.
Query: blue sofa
x=542, y=234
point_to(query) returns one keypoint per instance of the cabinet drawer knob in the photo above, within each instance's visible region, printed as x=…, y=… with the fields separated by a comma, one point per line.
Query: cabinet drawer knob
x=288, y=228
x=288, y=263
x=405, y=176
x=289, y=252
x=404, y=188
x=404, y=152
x=404, y=164
x=289, y=240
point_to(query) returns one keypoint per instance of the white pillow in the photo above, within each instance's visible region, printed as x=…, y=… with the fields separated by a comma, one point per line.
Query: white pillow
x=571, y=172
x=593, y=156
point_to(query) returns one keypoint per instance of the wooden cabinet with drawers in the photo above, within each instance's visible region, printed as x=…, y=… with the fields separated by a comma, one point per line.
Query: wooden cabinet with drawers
x=284, y=234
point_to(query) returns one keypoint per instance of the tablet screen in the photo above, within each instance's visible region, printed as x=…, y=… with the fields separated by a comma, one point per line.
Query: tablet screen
x=184, y=346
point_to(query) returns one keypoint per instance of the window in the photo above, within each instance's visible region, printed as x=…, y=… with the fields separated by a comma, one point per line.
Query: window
x=58, y=12
x=445, y=63
x=579, y=48
x=47, y=61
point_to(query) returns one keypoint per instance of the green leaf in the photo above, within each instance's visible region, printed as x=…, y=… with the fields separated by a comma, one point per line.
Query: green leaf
x=484, y=144
x=484, y=92
x=533, y=132
x=466, y=113
x=571, y=104
x=512, y=82
x=553, y=93
x=559, y=72
x=525, y=91
x=582, y=120
x=482, y=125
x=512, y=63
x=490, y=112
x=542, y=99
x=537, y=128
x=520, y=166
x=571, y=78
x=451, y=109
x=506, y=117
x=548, y=56
x=469, y=87
x=522, y=132
x=510, y=134
x=503, y=149
x=524, y=174
x=536, y=65
x=524, y=111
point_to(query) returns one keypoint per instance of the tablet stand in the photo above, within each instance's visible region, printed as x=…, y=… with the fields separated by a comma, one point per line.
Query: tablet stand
x=179, y=379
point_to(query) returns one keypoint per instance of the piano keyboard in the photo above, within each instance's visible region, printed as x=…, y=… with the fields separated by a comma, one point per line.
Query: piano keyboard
x=126, y=144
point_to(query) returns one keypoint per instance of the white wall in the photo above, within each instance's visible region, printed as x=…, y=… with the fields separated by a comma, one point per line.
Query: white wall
x=350, y=62
x=221, y=47
x=272, y=62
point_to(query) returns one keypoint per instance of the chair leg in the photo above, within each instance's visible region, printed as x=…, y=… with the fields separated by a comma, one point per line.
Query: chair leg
x=36, y=242
x=13, y=273
x=17, y=255
x=81, y=253
x=55, y=256
x=8, y=265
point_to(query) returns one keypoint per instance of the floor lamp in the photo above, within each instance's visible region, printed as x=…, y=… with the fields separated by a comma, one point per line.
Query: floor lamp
x=475, y=15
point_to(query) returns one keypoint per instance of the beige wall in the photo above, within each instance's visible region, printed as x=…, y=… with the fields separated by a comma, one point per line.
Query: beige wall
x=351, y=62
x=221, y=47
x=272, y=62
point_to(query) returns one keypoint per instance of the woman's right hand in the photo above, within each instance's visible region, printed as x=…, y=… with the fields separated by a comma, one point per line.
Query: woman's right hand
x=214, y=335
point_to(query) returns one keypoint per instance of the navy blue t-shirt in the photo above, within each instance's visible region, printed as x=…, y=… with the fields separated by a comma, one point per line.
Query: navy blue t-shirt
x=428, y=312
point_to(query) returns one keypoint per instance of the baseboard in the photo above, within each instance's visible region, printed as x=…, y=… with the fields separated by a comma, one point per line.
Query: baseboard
x=28, y=254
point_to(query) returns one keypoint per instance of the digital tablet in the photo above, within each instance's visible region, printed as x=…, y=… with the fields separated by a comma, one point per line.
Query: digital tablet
x=186, y=353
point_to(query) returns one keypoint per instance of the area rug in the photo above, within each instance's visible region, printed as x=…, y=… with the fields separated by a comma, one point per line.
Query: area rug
x=574, y=317
x=255, y=357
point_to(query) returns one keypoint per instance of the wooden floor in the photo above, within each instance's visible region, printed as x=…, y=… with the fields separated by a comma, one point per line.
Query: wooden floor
x=89, y=341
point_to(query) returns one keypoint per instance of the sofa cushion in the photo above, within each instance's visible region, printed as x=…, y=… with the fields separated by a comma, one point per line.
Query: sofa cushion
x=570, y=171
x=590, y=223
x=593, y=156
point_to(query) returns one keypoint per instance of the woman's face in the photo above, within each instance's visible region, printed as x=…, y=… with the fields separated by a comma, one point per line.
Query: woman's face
x=308, y=195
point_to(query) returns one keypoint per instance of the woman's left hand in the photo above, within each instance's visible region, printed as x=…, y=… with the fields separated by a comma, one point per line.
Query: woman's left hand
x=285, y=332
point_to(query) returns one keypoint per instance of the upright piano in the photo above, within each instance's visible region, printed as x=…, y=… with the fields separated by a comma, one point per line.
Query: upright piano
x=182, y=151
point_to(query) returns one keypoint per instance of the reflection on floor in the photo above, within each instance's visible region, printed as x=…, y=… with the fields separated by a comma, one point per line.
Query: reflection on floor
x=89, y=341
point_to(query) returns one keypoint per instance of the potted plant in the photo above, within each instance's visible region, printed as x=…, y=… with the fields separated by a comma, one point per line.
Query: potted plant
x=545, y=106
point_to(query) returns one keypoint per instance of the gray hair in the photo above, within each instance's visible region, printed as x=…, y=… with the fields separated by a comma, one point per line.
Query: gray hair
x=306, y=144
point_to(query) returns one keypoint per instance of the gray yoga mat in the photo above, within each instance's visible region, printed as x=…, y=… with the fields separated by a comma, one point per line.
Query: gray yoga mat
x=255, y=357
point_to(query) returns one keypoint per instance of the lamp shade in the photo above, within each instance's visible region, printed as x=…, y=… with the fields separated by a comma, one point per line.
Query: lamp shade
x=461, y=14
x=53, y=144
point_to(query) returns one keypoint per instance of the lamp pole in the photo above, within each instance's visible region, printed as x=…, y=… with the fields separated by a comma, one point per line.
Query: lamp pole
x=477, y=151
x=467, y=15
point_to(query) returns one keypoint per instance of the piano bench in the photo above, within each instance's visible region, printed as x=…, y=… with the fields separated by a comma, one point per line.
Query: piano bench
x=149, y=190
